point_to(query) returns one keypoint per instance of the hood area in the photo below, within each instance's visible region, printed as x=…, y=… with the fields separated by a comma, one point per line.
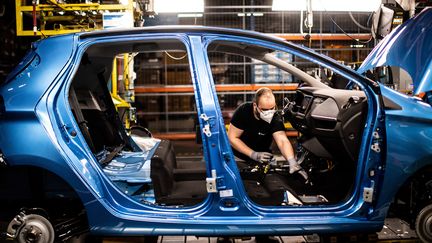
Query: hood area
x=409, y=47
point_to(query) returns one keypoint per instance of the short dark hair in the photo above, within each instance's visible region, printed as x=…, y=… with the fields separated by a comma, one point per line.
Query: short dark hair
x=260, y=92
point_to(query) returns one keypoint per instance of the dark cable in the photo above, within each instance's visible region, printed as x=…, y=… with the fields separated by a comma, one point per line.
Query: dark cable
x=357, y=23
x=334, y=22
x=43, y=35
x=370, y=16
x=340, y=28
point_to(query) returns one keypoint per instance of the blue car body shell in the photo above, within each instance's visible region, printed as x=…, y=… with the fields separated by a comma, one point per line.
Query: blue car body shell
x=35, y=100
x=408, y=47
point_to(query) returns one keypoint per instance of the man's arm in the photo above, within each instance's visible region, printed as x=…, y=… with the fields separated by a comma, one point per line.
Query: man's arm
x=234, y=134
x=283, y=144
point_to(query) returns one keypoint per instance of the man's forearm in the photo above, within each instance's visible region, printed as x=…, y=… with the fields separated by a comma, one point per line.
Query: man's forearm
x=240, y=146
x=287, y=150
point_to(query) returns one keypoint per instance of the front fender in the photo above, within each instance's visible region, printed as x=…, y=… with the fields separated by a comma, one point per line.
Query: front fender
x=409, y=147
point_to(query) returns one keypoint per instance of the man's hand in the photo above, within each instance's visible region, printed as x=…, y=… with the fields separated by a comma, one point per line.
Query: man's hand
x=261, y=157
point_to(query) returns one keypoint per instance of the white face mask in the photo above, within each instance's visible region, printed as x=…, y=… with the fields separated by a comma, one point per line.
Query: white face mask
x=267, y=116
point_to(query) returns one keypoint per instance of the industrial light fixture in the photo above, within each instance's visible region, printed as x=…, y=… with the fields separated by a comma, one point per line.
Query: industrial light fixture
x=176, y=6
x=327, y=5
x=250, y=14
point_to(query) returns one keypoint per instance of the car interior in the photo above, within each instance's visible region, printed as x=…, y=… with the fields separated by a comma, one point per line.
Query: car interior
x=330, y=122
x=147, y=169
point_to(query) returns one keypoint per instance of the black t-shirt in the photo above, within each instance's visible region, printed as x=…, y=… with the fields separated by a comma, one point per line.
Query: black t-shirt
x=257, y=134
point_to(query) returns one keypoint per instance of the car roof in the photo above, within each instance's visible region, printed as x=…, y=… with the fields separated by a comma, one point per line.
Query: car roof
x=178, y=29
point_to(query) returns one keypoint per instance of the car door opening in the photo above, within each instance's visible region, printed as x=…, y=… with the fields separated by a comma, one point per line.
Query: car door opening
x=328, y=123
x=145, y=168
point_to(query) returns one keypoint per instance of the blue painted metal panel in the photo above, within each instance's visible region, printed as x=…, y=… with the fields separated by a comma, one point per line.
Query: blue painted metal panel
x=409, y=136
x=410, y=47
x=23, y=137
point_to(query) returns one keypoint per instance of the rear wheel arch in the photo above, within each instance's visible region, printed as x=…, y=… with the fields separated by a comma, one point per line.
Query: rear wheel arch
x=30, y=187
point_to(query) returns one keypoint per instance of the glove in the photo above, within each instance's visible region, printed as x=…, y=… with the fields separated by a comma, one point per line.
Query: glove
x=296, y=168
x=261, y=157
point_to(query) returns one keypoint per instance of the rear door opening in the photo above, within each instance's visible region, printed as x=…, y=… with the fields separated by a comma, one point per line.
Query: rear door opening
x=149, y=169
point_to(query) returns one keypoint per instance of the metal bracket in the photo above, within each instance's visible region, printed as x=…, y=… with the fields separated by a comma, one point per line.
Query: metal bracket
x=376, y=141
x=211, y=183
x=368, y=193
x=206, y=129
x=15, y=225
x=375, y=147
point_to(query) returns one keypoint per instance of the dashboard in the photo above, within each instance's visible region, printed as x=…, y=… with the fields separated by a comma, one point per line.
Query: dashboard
x=333, y=118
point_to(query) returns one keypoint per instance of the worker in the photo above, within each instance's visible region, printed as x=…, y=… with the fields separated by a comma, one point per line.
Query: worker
x=253, y=127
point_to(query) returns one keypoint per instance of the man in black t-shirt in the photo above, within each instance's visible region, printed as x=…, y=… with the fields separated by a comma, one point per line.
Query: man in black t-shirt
x=253, y=127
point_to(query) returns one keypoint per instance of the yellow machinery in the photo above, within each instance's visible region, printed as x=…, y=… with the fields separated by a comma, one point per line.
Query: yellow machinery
x=124, y=95
x=53, y=17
